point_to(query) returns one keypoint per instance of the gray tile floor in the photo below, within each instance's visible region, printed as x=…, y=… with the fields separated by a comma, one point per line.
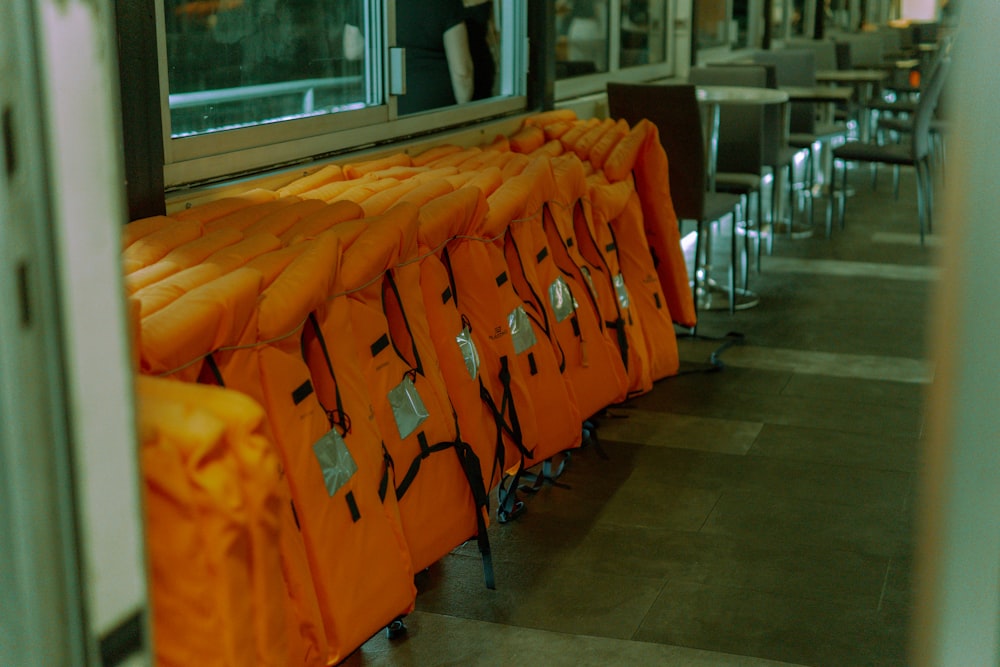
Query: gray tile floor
x=759, y=515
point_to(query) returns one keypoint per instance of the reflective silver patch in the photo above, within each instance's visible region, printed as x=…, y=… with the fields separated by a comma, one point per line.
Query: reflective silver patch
x=469, y=352
x=407, y=407
x=520, y=330
x=621, y=290
x=335, y=461
x=561, y=299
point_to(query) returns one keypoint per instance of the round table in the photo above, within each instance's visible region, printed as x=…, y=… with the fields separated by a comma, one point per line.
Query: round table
x=712, y=97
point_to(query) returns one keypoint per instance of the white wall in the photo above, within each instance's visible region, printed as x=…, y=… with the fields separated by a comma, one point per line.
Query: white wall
x=958, y=588
x=79, y=71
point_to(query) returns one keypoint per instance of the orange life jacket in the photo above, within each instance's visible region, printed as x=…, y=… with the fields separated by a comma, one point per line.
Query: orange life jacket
x=152, y=247
x=568, y=317
x=484, y=298
x=181, y=258
x=211, y=333
x=218, y=208
x=137, y=229
x=558, y=416
x=641, y=156
x=212, y=506
x=243, y=218
x=326, y=174
x=598, y=243
x=644, y=289
x=359, y=564
x=436, y=503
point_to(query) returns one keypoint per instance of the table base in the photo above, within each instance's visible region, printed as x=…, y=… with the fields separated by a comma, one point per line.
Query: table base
x=716, y=297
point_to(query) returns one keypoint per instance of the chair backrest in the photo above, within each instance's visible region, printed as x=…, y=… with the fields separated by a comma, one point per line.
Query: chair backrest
x=675, y=112
x=824, y=51
x=930, y=95
x=865, y=49
x=794, y=67
x=925, y=32
x=749, y=135
x=892, y=41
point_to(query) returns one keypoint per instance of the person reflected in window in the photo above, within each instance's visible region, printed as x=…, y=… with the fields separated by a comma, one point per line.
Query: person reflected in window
x=439, y=69
x=483, y=41
x=587, y=35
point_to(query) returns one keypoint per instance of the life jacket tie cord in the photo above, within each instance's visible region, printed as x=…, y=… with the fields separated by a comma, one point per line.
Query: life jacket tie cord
x=470, y=466
x=547, y=475
x=715, y=364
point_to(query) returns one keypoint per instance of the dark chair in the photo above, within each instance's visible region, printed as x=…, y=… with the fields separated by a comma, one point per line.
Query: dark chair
x=674, y=110
x=915, y=153
x=797, y=67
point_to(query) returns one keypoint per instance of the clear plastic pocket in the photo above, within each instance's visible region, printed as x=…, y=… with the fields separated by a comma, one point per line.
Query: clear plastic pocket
x=407, y=407
x=335, y=461
x=469, y=352
x=521, y=332
x=621, y=291
x=561, y=299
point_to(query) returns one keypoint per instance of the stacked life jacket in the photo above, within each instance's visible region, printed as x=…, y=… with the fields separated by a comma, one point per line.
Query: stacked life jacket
x=599, y=244
x=183, y=340
x=640, y=157
x=538, y=357
x=212, y=503
x=440, y=492
x=596, y=369
x=357, y=555
x=484, y=297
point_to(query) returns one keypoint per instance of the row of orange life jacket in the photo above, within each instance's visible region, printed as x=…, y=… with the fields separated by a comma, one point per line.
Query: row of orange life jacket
x=414, y=330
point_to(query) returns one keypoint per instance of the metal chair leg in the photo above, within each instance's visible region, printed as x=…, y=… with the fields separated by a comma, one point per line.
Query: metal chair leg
x=921, y=203
x=843, y=193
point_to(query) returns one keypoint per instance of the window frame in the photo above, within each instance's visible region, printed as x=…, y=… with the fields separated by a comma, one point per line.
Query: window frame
x=579, y=86
x=227, y=154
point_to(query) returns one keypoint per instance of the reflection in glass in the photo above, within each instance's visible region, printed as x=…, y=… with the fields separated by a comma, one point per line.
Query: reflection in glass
x=439, y=68
x=712, y=27
x=581, y=37
x=643, y=32
x=238, y=63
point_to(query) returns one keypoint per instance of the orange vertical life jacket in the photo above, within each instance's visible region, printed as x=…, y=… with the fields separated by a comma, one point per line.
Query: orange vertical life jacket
x=436, y=503
x=188, y=620
x=540, y=363
x=360, y=567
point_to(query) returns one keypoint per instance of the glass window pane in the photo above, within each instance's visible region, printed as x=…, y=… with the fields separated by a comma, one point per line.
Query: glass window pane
x=234, y=63
x=438, y=59
x=741, y=22
x=713, y=23
x=581, y=37
x=643, y=32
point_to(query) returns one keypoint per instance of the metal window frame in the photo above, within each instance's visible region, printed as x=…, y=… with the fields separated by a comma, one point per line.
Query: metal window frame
x=579, y=86
x=233, y=153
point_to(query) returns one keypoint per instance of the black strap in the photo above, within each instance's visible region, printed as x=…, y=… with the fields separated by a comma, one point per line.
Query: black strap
x=473, y=474
x=387, y=465
x=352, y=505
x=302, y=392
x=214, y=368
x=380, y=344
x=123, y=640
x=542, y=254
x=391, y=282
x=619, y=327
x=337, y=417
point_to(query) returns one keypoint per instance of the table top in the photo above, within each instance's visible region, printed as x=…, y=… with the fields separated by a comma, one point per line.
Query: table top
x=818, y=93
x=740, y=95
x=851, y=75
